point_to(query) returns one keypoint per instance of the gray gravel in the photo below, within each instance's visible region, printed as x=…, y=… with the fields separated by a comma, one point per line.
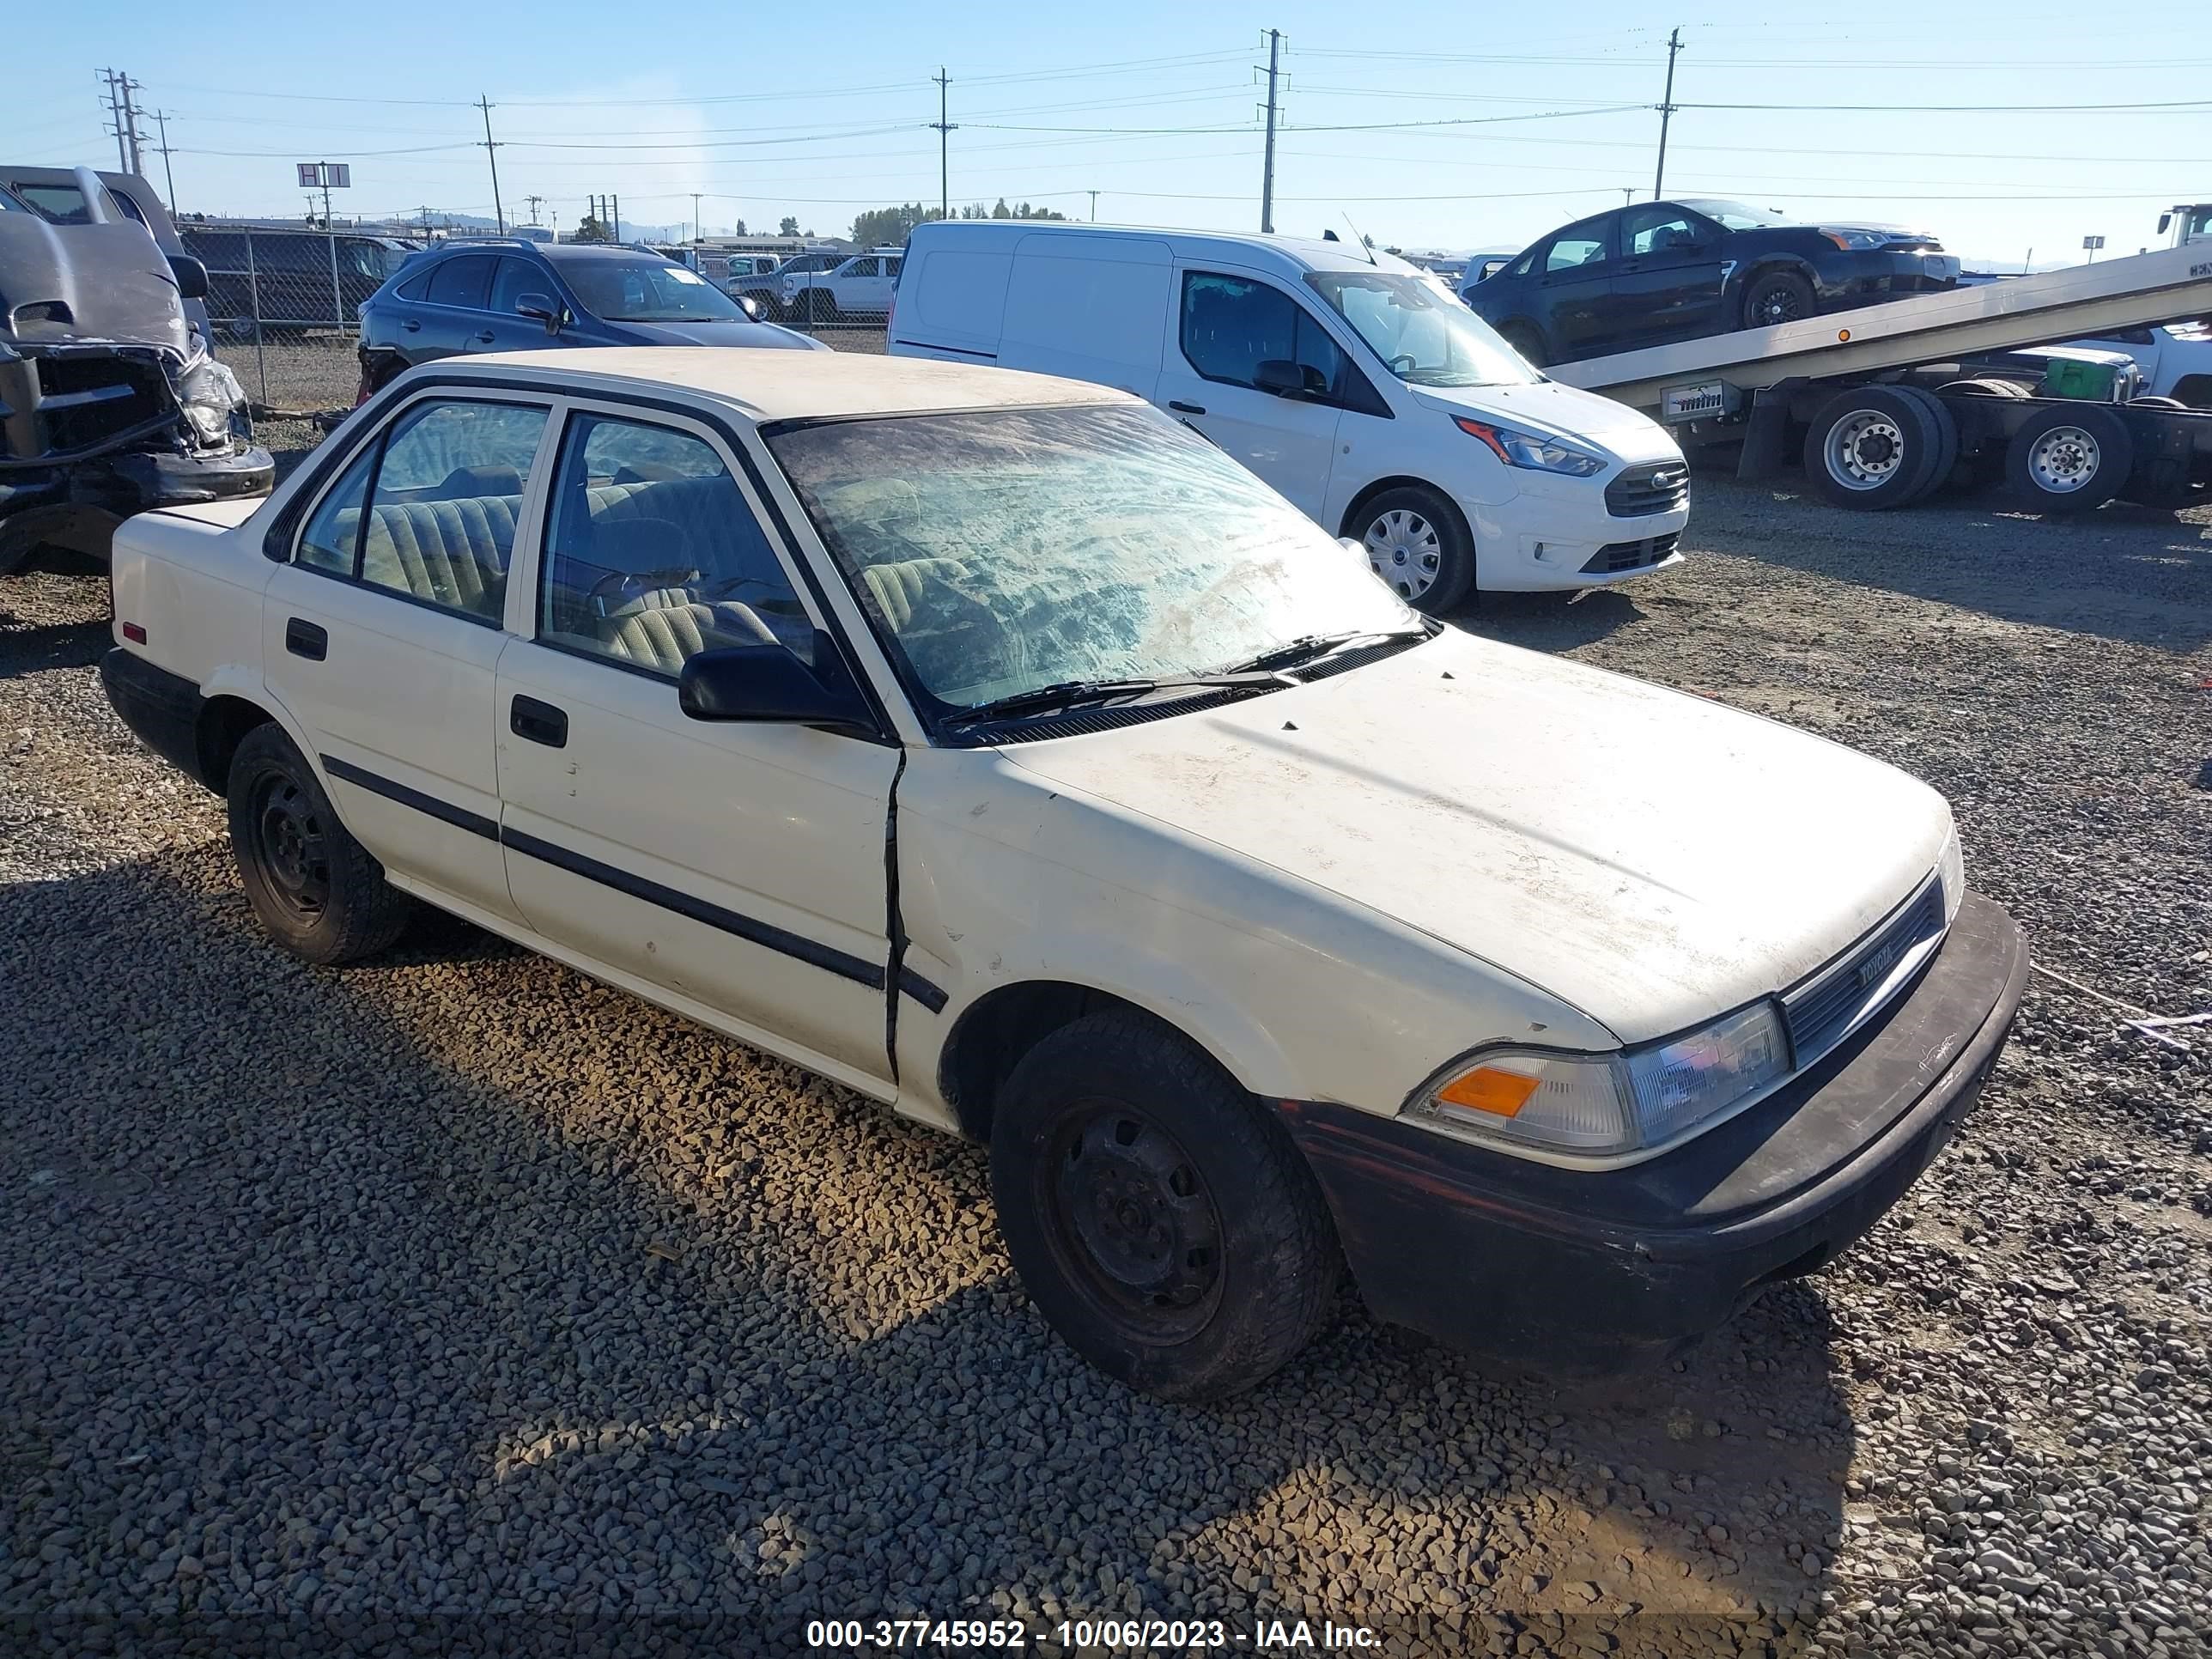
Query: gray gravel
x=456, y=1289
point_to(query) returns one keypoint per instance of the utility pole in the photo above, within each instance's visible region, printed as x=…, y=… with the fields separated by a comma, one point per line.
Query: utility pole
x=161, y=116
x=536, y=202
x=1268, y=173
x=1094, y=207
x=491, y=150
x=120, y=86
x=944, y=147
x=426, y=221
x=1666, y=112
x=694, y=215
x=616, y=200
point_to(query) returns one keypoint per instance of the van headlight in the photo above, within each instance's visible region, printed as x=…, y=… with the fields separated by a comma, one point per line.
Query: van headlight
x=1532, y=450
x=1601, y=1106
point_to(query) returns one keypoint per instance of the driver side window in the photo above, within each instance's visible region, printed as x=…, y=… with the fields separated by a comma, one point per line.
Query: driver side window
x=1658, y=230
x=1231, y=324
x=653, y=555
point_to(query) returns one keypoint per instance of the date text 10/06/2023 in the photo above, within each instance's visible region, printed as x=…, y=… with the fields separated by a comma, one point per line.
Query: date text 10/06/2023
x=1090, y=1635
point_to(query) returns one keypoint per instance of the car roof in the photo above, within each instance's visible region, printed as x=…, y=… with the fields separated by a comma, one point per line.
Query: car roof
x=766, y=386
x=1292, y=253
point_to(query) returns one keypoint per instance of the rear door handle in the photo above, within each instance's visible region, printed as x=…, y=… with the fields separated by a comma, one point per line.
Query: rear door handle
x=306, y=639
x=486, y=338
x=412, y=324
x=540, y=722
x=1186, y=409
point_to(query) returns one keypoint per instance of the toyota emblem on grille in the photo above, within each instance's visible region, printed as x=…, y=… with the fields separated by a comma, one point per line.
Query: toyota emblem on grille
x=1878, y=963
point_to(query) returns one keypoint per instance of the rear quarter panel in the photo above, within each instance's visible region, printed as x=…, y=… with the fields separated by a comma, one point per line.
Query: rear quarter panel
x=192, y=578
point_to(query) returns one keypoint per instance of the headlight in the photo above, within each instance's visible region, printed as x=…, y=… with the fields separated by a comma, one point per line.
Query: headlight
x=209, y=395
x=1608, y=1105
x=1951, y=870
x=1849, y=239
x=1525, y=449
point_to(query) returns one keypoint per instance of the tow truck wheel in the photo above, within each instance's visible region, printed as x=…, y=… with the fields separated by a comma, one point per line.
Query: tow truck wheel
x=2069, y=459
x=1876, y=447
x=1947, y=441
x=1164, y=1227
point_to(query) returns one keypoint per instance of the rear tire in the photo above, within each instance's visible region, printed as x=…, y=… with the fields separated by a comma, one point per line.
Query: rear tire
x=1779, y=296
x=1418, y=542
x=317, y=889
x=1946, y=442
x=1876, y=447
x=1166, y=1230
x=2069, y=459
x=1526, y=345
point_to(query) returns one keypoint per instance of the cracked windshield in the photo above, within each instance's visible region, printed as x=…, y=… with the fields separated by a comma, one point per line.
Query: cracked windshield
x=1002, y=551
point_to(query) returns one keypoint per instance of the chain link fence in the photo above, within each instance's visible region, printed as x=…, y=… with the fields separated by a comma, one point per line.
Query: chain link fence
x=284, y=308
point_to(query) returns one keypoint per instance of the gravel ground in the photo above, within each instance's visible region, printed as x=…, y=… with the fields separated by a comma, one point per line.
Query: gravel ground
x=453, y=1300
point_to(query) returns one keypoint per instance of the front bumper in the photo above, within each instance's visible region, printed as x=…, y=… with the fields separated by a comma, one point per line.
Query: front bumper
x=1602, y=1273
x=78, y=505
x=1557, y=533
x=1870, y=278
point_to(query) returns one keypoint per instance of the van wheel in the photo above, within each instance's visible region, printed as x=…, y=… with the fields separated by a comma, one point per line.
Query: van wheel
x=2069, y=460
x=1875, y=447
x=315, y=888
x=1167, y=1229
x=1418, y=545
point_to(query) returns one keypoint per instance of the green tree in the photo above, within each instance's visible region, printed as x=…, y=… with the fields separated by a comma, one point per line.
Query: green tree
x=788, y=228
x=591, y=229
x=891, y=226
x=740, y=230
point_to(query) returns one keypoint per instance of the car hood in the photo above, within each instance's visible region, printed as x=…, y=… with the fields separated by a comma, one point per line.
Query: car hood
x=756, y=335
x=1552, y=409
x=1650, y=857
x=61, y=284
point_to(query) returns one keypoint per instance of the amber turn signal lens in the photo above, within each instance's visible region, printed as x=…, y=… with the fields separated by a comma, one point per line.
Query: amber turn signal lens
x=1489, y=1089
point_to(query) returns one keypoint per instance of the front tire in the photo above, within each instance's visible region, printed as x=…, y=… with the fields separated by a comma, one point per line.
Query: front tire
x=1875, y=447
x=1418, y=545
x=1779, y=296
x=1166, y=1230
x=317, y=889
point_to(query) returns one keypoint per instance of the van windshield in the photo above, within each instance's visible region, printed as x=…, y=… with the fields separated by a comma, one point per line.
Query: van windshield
x=1422, y=334
x=1000, y=551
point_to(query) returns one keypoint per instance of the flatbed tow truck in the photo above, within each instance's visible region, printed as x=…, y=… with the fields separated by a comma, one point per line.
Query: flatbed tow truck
x=1890, y=407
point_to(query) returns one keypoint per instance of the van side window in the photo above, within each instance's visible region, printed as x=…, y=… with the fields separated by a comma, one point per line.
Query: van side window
x=1231, y=324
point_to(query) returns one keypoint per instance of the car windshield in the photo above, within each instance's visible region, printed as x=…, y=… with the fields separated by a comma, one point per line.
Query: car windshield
x=1422, y=334
x=1735, y=216
x=999, y=551
x=647, y=291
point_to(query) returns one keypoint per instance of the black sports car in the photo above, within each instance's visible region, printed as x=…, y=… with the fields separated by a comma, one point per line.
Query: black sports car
x=1676, y=270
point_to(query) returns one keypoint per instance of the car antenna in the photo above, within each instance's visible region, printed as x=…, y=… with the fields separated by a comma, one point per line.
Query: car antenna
x=1364, y=245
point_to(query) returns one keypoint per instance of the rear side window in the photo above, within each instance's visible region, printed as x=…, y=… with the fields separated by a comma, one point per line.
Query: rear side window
x=1231, y=324
x=1575, y=246
x=464, y=280
x=416, y=287
x=516, y=278
x=429, y=513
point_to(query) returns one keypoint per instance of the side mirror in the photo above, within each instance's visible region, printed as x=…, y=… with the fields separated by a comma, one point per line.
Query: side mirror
x=767, y=684
x=191, y=277
x=750, y=306
x=1279, y=377
x=543, y=306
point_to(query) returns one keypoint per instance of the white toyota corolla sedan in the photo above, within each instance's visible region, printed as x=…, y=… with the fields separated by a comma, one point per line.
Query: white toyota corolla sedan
x=996, y=746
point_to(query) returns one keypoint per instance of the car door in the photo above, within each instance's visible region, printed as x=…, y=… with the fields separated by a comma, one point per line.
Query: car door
x=1574, y=279
x=1227, y=323
x=1669, y=282
x=737, y=868
x=505, y=328
x=454, y=317
x=859, y=284
x=381, y=631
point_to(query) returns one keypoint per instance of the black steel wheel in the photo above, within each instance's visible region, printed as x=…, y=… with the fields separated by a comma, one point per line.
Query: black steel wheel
x=1163, y=1226
x=315, y=888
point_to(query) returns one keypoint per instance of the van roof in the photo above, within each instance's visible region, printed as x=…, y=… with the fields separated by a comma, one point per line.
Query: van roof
x=784, y=386
x=1289, y=252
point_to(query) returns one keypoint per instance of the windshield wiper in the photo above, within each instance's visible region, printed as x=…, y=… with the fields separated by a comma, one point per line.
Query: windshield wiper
x=1068, y=694
x=1309, y=647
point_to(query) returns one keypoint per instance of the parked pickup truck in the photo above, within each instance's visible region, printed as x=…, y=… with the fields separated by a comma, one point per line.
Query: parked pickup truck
x=110, y=403
x=997, y=747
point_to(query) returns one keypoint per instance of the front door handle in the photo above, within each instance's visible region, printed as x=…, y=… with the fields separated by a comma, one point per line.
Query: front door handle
x=1186, y=409
x=540, y=722
x=305, y=639
x=486, y=338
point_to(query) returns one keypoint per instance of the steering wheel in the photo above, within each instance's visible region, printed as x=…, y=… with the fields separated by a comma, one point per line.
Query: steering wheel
x=618, y=580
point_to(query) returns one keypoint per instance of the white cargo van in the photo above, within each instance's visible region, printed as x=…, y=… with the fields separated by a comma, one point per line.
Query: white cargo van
x=1353, y=383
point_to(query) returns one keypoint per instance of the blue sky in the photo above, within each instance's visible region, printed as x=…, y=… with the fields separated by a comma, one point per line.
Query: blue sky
x=1424, y=124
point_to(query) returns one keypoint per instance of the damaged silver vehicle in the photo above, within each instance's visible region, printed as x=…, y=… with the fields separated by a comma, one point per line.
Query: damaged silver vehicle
x=110, y=401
